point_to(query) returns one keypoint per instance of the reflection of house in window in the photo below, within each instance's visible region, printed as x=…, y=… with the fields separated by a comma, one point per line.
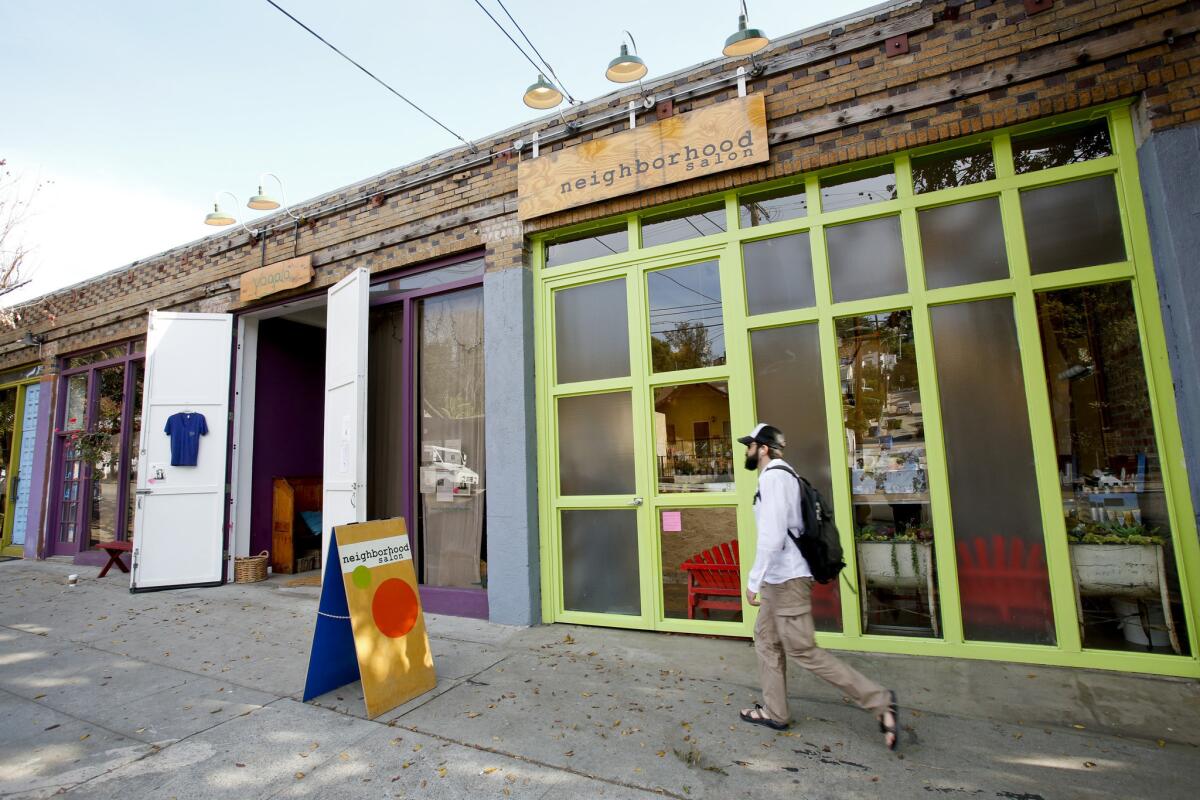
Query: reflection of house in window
x=687, y=464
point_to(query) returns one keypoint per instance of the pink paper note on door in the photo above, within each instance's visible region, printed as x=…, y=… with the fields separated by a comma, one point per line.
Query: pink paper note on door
x=672, y=521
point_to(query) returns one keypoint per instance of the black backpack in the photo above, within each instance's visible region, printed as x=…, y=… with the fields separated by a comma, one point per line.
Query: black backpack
x=819, y=543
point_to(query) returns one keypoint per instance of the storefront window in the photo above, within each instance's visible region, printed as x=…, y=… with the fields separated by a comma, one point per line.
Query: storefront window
x=463, y=270
x=600, y=561
x=779, y=274
x=866, y=259
x=595, y=444
x=686, y=317
x=1076, y=224
x=956, y=168
x=1004, y=588
x=789, y=394
x=701, y=578
x=858, y=188
x=106, y=468
x=95, y=357
x=1060, y=146
x=693, y=438
x=450, y=410
x=1118, y=528
x=591, y=332
x=679, y=225
x=763, y=208
x=592, y=244
x=963, y=243
x=889, y=478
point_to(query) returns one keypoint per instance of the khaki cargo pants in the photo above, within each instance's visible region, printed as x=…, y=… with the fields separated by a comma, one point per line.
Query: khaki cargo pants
x=785, y=628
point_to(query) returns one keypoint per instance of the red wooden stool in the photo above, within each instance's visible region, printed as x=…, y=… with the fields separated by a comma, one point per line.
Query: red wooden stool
x=114, y=550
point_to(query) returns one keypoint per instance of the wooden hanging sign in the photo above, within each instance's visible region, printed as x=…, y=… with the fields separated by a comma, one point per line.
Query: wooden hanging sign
x=726, y=136
x=276, y=278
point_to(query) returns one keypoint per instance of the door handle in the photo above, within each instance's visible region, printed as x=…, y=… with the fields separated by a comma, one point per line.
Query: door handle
x=637, y=501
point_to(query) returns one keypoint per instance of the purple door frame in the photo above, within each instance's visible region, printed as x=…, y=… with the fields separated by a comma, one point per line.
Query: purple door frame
x=78, y=549
x=459, y=602
x=435, y=599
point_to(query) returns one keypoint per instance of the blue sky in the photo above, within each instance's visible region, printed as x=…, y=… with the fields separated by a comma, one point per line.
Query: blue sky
x=134, y=113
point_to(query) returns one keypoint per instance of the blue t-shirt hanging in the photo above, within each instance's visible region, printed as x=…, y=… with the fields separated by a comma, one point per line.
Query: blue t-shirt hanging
x=185, y=430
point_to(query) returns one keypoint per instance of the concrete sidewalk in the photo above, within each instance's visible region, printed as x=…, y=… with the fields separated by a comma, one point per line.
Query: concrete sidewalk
x=195, y=693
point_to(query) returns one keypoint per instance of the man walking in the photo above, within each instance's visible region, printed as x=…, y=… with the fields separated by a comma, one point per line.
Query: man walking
x=781, y=582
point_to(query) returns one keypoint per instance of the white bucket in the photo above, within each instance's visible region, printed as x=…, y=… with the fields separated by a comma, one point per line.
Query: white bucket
x=1131, y=624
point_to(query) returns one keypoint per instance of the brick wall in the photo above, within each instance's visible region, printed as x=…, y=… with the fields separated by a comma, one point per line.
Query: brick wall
x=969, y=67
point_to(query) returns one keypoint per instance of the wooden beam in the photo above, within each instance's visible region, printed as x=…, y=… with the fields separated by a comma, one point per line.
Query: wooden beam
x=1049, y=59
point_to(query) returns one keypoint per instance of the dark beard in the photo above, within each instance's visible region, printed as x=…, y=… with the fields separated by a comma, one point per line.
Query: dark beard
x=752, y=462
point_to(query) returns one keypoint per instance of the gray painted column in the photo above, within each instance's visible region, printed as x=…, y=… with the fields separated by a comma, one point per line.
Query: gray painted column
x=1170, y=168
x=513, y=553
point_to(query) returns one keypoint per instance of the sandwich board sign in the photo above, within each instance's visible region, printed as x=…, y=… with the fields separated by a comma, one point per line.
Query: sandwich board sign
x=369, y=621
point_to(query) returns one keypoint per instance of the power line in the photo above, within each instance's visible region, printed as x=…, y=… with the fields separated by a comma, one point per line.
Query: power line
x=508, y=36
x=541, y=57
x=371, y=75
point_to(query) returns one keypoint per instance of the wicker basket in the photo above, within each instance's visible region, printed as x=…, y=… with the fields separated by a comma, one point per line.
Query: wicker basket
x=249, y=569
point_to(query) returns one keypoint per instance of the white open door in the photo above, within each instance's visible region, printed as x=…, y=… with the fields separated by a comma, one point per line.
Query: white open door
x=345, y=471
x=179, y=519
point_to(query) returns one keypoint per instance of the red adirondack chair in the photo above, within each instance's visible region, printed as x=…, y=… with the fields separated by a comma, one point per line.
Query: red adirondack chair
x=716, y=573
x=714, y=580
x=1005, y=585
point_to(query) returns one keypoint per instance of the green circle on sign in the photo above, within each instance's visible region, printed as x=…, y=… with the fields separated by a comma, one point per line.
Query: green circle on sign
x=361, y=577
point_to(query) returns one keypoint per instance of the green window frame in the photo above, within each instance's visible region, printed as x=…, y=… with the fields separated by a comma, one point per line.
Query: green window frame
x=1021, y=286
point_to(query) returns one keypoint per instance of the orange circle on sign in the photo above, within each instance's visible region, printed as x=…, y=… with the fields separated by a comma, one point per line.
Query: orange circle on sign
x=394, y=608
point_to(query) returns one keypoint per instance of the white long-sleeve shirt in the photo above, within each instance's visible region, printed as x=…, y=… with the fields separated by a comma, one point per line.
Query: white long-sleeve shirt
x=776, y=558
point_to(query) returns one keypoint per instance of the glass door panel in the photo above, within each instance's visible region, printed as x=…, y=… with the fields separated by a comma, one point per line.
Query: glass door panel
x=701, y=577
x=693, y=447
x=686, y=319
x=889, y=484
x=595, y=444
x=1119, y=533
x=600, y=561
x=1004, y=588
x=104, y=482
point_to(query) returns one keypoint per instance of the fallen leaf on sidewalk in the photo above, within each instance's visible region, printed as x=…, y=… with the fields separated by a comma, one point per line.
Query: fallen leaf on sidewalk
x=39, y=697
x=490, y=770
x=1078, y=727
x=239, y=764
x=569, y=753
x=1089, y=764
x=299, y=776
x=1161, y=743
x=568, y=639
x=441, y=772
x=86, y=735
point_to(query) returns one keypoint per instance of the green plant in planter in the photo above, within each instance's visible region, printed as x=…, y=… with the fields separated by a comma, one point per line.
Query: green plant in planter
x=1083, y=531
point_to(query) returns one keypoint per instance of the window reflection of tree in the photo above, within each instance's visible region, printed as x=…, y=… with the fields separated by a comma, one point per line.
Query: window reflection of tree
x=955, y=169
x=1060, y=147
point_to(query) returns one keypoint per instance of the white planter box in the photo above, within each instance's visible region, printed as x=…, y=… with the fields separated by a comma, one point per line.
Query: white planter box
x=875, y=564
x=1116, y=570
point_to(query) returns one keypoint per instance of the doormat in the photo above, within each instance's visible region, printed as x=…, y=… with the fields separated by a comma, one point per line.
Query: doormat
x=307, y=580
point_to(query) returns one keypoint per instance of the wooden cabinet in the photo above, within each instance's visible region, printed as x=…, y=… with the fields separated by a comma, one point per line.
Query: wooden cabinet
x=291, y=538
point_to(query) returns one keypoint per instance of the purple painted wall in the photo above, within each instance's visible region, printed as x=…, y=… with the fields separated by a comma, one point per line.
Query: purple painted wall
x=289, y=407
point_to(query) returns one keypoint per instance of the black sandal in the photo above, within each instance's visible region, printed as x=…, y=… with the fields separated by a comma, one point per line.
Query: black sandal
x=894, y=730
x=760, y=718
